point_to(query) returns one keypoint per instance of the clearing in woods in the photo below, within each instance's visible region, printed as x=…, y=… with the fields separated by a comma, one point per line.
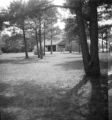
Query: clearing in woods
x=35, y=89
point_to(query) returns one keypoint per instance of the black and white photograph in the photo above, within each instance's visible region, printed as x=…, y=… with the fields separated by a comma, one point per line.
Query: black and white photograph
x=55, y=59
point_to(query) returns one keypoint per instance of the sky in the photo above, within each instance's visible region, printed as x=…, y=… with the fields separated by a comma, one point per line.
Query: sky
x=5, y=3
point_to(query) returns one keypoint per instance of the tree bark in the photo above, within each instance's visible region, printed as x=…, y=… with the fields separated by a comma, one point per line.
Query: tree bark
x=70, y=46
x=38, y=51
x=40, y=40
x=25, y=43
x=44, y=38
x=94, y=64
x=83, y=39
x=51, y=39
x=79, y=48
x=98, y=104
x=106, y=40
x=102, y=44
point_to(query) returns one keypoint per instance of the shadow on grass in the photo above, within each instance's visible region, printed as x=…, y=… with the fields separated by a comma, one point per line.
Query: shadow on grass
x=104, y=65
x=30, y=101
x=110, y=95
x=78, y=64
x=77, y=56
x=18, y=60
x=26, y=100
x=21, y=60
x=4, y=102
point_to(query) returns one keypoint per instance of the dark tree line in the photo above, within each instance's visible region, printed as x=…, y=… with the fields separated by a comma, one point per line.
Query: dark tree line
x=86, y=11
x=31, y=15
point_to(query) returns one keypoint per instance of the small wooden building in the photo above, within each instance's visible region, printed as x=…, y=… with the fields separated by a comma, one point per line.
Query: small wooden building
x=57, y=45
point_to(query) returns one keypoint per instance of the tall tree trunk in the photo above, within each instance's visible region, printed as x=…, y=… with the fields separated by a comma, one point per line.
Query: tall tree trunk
x=44, y=38
x=106, y=40
x=83, y=39
x=102, y=44
x=38, y=51
x=51, y=39
x=79, y=48
x=40, y=40
x=70, y=46
x=98, y=104
x=25, y=43
x=94, y=64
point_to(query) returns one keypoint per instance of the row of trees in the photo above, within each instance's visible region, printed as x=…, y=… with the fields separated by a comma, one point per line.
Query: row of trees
x=36, y=14
x=34, y=17
x=87, y=14
x=15, y=44
x=72, y=31
x=87, y=26
x=104, y=35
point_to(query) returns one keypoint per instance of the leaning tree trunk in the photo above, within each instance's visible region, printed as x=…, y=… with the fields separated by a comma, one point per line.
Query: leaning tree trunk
x=25, y=43
x=94, y=64
x=83, y=39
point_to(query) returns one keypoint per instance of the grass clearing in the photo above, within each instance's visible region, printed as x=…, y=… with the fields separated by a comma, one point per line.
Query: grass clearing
x=36, y=89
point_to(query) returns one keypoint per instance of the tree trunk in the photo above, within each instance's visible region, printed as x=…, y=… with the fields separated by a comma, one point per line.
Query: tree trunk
x=44, y=38
x=102, y=44
x=25, y=43
x=98, y=104
x=83, y=39
x=106, y=40
x=70, y=46
x=51, y=40
x=94, y=64
x=38, y=51
x=79, y=48
x=40, y=40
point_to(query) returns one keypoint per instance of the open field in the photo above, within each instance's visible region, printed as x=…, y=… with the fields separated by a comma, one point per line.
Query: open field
x=30, y=88
x=53, y=68
x=35, y=89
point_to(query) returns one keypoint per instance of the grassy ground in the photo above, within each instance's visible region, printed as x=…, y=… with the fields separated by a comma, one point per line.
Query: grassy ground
x=52, y=68
x=110, y=85
x=36, y=89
